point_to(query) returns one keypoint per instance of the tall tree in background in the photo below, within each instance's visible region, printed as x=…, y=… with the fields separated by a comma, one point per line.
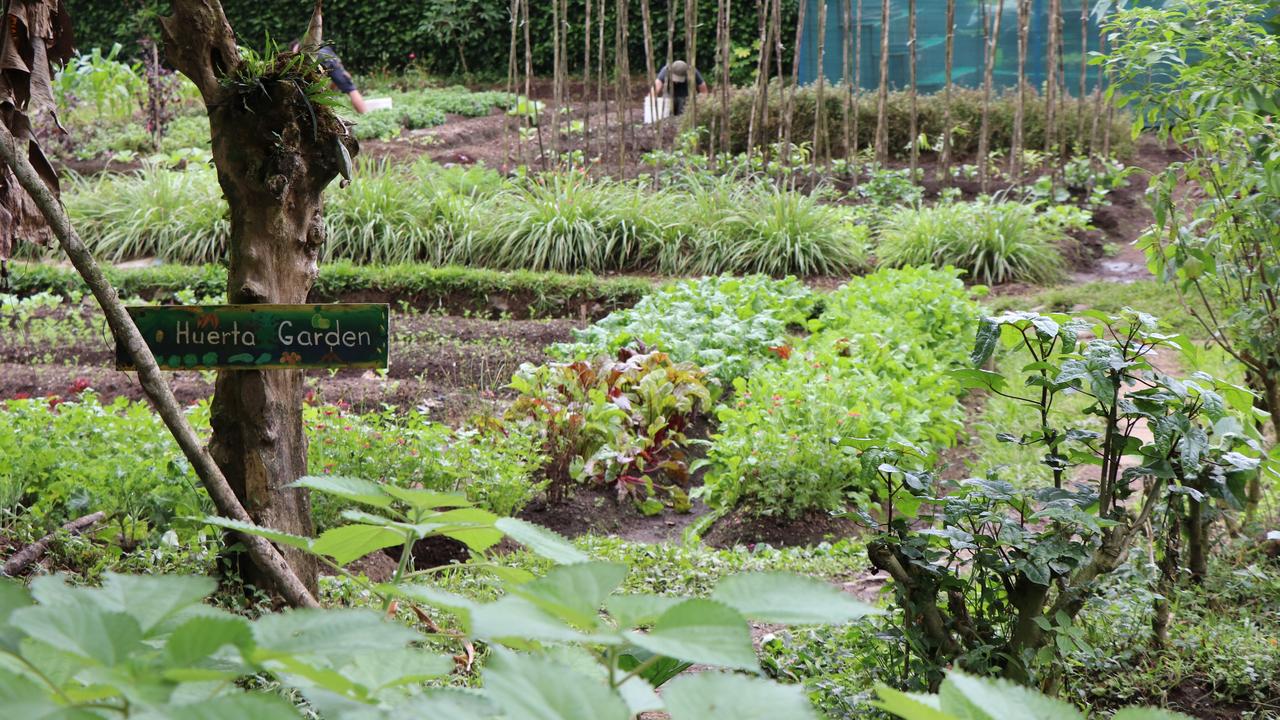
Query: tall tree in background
x=276, y=149
x=882, y=101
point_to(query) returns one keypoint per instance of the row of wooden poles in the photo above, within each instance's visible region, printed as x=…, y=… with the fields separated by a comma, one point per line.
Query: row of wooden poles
x=614, y=98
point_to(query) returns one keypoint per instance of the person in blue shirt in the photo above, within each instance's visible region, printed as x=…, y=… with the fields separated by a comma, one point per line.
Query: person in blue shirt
x=342, y=79
x=674, y=79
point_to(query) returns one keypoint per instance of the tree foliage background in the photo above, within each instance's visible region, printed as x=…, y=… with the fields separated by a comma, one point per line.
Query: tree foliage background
x=374, y=34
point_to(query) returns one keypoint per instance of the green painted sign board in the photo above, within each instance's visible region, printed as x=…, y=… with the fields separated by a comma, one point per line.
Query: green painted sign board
x=262, y=337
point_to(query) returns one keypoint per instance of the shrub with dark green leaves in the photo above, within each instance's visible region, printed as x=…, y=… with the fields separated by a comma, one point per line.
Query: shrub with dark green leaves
x=994, y=242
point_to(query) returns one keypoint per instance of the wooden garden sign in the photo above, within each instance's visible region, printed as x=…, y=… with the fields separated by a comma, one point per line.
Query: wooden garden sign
x=262, y=337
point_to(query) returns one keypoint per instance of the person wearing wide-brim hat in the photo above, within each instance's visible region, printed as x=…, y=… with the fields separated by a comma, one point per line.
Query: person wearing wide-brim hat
x=673, y=82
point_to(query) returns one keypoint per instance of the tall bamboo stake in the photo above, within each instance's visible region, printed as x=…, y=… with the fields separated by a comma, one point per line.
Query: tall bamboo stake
x=1051, y=78
x=820, y=150
x=622, y=77
x=557, y=68
x=944, y=167
x=857, y=89
x=882, y=100
x=602, y=99
x=788, y=116
x=691, y=49
x=724, y=76
x=776, y=23
x=1097, y=101
x=1020, y=102
x=1064, y=93
x=984, y=138
x=1084, y=72
x=911, y=69
x=672, y=7
x=586, y=85
x=846, y=41
x=528, y=83
x=650, y=71
x=513, y=79
x=759, y=110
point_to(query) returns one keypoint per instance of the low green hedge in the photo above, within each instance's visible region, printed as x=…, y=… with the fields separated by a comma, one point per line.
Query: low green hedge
x=454, y=289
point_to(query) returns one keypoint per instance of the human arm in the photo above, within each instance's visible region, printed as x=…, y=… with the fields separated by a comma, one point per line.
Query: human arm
x=357, y=102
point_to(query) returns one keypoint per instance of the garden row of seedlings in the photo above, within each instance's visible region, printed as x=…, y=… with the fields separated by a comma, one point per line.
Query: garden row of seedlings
x=615, y=104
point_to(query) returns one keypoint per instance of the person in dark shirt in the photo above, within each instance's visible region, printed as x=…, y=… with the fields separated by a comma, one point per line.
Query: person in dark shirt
x=674, y=79
x=342, y=80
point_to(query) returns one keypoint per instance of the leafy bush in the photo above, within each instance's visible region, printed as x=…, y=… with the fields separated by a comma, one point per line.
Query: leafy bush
x=147, y=482
x=724, y=325
x=1038, y=553
x=969, y=697
x=616, y=423
x=124, y=464
x=491, y=467
x=994, y=242
x=875, y=366
x=102, y=81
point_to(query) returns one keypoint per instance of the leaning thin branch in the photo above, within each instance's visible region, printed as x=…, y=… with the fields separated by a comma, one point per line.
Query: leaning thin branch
x=264, y=554
x=29, y=554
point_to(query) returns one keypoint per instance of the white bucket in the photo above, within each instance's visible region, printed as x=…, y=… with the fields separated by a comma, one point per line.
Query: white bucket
x=656, y=108
x=371, y=104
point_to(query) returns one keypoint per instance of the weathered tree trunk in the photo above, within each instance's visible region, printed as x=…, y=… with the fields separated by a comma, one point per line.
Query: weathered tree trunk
x=882, y=101
x=275, y=152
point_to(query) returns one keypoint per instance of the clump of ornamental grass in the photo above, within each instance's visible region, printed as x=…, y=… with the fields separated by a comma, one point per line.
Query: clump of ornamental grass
x=993, y=242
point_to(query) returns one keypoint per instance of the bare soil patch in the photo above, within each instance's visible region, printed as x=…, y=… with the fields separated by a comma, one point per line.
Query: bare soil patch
x=742, y=528
x=599, y=512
